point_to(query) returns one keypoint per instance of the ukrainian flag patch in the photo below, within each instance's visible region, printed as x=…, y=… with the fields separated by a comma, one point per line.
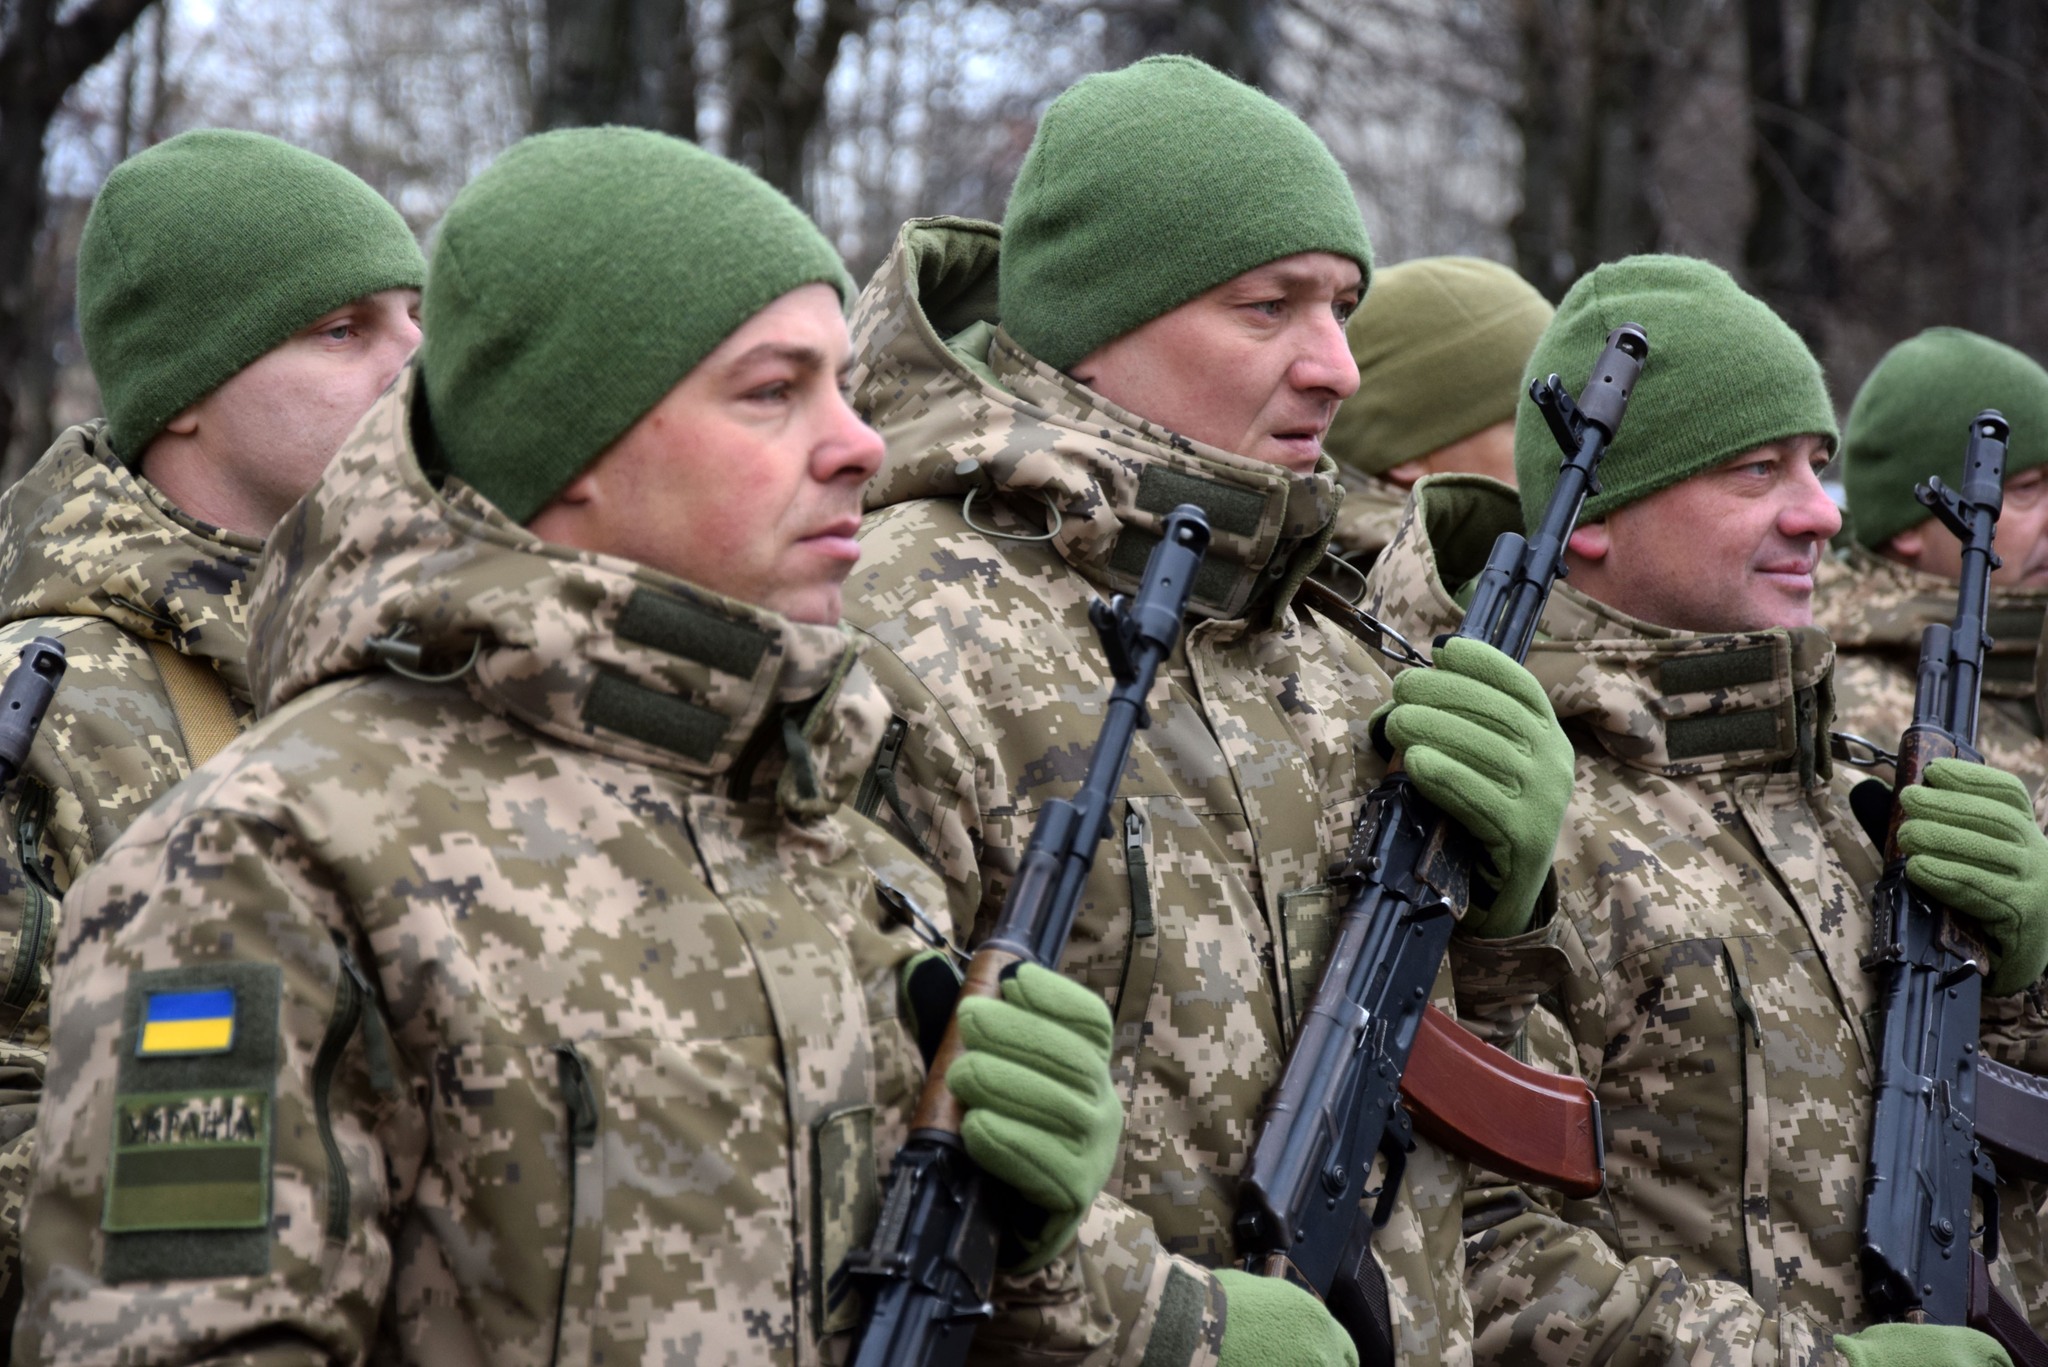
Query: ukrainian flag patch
x=180, y=1023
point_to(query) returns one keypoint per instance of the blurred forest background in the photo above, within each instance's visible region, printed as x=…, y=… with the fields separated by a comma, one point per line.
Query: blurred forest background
x=1872, y=167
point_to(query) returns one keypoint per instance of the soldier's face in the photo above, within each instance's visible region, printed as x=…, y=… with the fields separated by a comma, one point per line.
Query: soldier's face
x=1731, y=549
x=260, y=440
x=746, y=478
x=2022, y=540
x=1255, y=366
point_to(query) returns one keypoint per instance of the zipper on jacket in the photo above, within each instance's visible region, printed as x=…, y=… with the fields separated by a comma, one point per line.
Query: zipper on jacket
x=579, y=1100
x=355, y=1005
x=32, y=811
x=878, y=785
x=1141, y=882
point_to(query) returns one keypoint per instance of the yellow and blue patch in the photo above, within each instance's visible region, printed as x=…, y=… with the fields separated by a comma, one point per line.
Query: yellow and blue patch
x=190, y=1022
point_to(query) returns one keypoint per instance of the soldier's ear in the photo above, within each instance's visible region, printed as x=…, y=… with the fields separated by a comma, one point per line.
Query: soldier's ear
x=1590, y=541
x=1407, y=472
x=1906, y=547
x=184, y=424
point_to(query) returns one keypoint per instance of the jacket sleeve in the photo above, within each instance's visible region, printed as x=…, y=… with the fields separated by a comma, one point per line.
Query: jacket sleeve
x=107, y=748
x=285, y=1245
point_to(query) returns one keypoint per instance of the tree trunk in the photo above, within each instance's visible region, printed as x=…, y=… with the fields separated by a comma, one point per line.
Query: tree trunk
x=1993, y=150
x=1230, y=35
x=1614, y=217
x=40, y=60
x=776, y=72
x=618, y=61
x=1548, y=115
x=1799, y=155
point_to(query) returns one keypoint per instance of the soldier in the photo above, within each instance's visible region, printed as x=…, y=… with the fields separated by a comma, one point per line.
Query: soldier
x=243, y=302
x=1158, y=321
x=1898, y=575
x=1440, y=343
x=525, y=954
x=1712, y=913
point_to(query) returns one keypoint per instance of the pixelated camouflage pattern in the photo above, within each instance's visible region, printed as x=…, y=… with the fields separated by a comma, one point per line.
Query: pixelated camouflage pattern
x=1705, y=958
x=694, y=925
x=1874, y=610
x=1370, y=512
x=1206, y=917
x=95, y=557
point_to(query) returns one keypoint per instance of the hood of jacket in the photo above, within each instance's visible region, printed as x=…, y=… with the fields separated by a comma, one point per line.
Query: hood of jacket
x=1866, y=602
x=965, y=411
x=376, y=569
x=1672, y=702
x=82, y=535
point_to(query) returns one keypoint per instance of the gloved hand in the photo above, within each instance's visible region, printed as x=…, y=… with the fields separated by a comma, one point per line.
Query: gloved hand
x=1272, y=1323
x=1920, y=1345
x=1042, y=1114
x=1970, y=841
x=1479, y=738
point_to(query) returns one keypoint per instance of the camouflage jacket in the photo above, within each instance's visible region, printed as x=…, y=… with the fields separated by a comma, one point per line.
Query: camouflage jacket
x=517, y=991
x=94, y=556
x=1705, y=958
x=1206, y=916
x=1370, y=512
x=1874, y=610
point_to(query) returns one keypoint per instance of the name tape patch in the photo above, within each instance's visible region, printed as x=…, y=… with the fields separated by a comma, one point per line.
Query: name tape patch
x=187, y=1022
x=190, y=1160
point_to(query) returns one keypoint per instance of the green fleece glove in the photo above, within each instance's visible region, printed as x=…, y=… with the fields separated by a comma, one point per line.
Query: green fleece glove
x=1478, y=737
x=1042, y=1114
x=1272, y=1323
x=1970, y=841
x=1920, y=1345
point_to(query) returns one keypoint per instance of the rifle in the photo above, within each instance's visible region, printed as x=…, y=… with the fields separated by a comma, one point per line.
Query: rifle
x=1407, y=878
x=928, y=1270
x=1925, y=1159
x=23, y=700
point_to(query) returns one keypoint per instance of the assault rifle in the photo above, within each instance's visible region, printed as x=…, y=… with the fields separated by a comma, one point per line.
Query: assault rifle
x=23, y=700
x=1407, y=879
x=1925, y=1158
x=928, y=1270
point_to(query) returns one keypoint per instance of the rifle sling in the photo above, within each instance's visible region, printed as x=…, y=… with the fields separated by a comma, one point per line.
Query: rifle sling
x=2012, y=1118
x=1489, y=1108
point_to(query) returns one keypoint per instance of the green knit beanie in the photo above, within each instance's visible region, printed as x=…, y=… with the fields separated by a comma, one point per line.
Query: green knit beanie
x=1146, y=186
x=1440, y=345
x=1725, y=375
x=206, y=251
x=576, y=281
x=1912, y=419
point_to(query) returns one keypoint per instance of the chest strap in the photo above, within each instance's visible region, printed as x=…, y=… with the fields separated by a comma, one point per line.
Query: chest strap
x=206, y=714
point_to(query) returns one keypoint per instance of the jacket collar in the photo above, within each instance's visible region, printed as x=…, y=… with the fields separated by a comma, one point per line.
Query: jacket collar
x=1866, y=602
x=1672, y=702
x=377, y=569
x=83, y=535
x=1041, y=452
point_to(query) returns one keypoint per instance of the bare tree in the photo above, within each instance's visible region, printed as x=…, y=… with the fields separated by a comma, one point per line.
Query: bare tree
x=1800, y=153
x=41, y=58
x=777, y=66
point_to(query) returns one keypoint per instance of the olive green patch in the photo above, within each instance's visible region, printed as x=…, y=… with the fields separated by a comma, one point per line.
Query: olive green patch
x=672, y=625
x=189, y=1157
x=1721, y=669
x=619, y=704
x=1230, y=509
x=1690, y=737
x=185, y=1160
x=1213, y=582
x=1177, y=1328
